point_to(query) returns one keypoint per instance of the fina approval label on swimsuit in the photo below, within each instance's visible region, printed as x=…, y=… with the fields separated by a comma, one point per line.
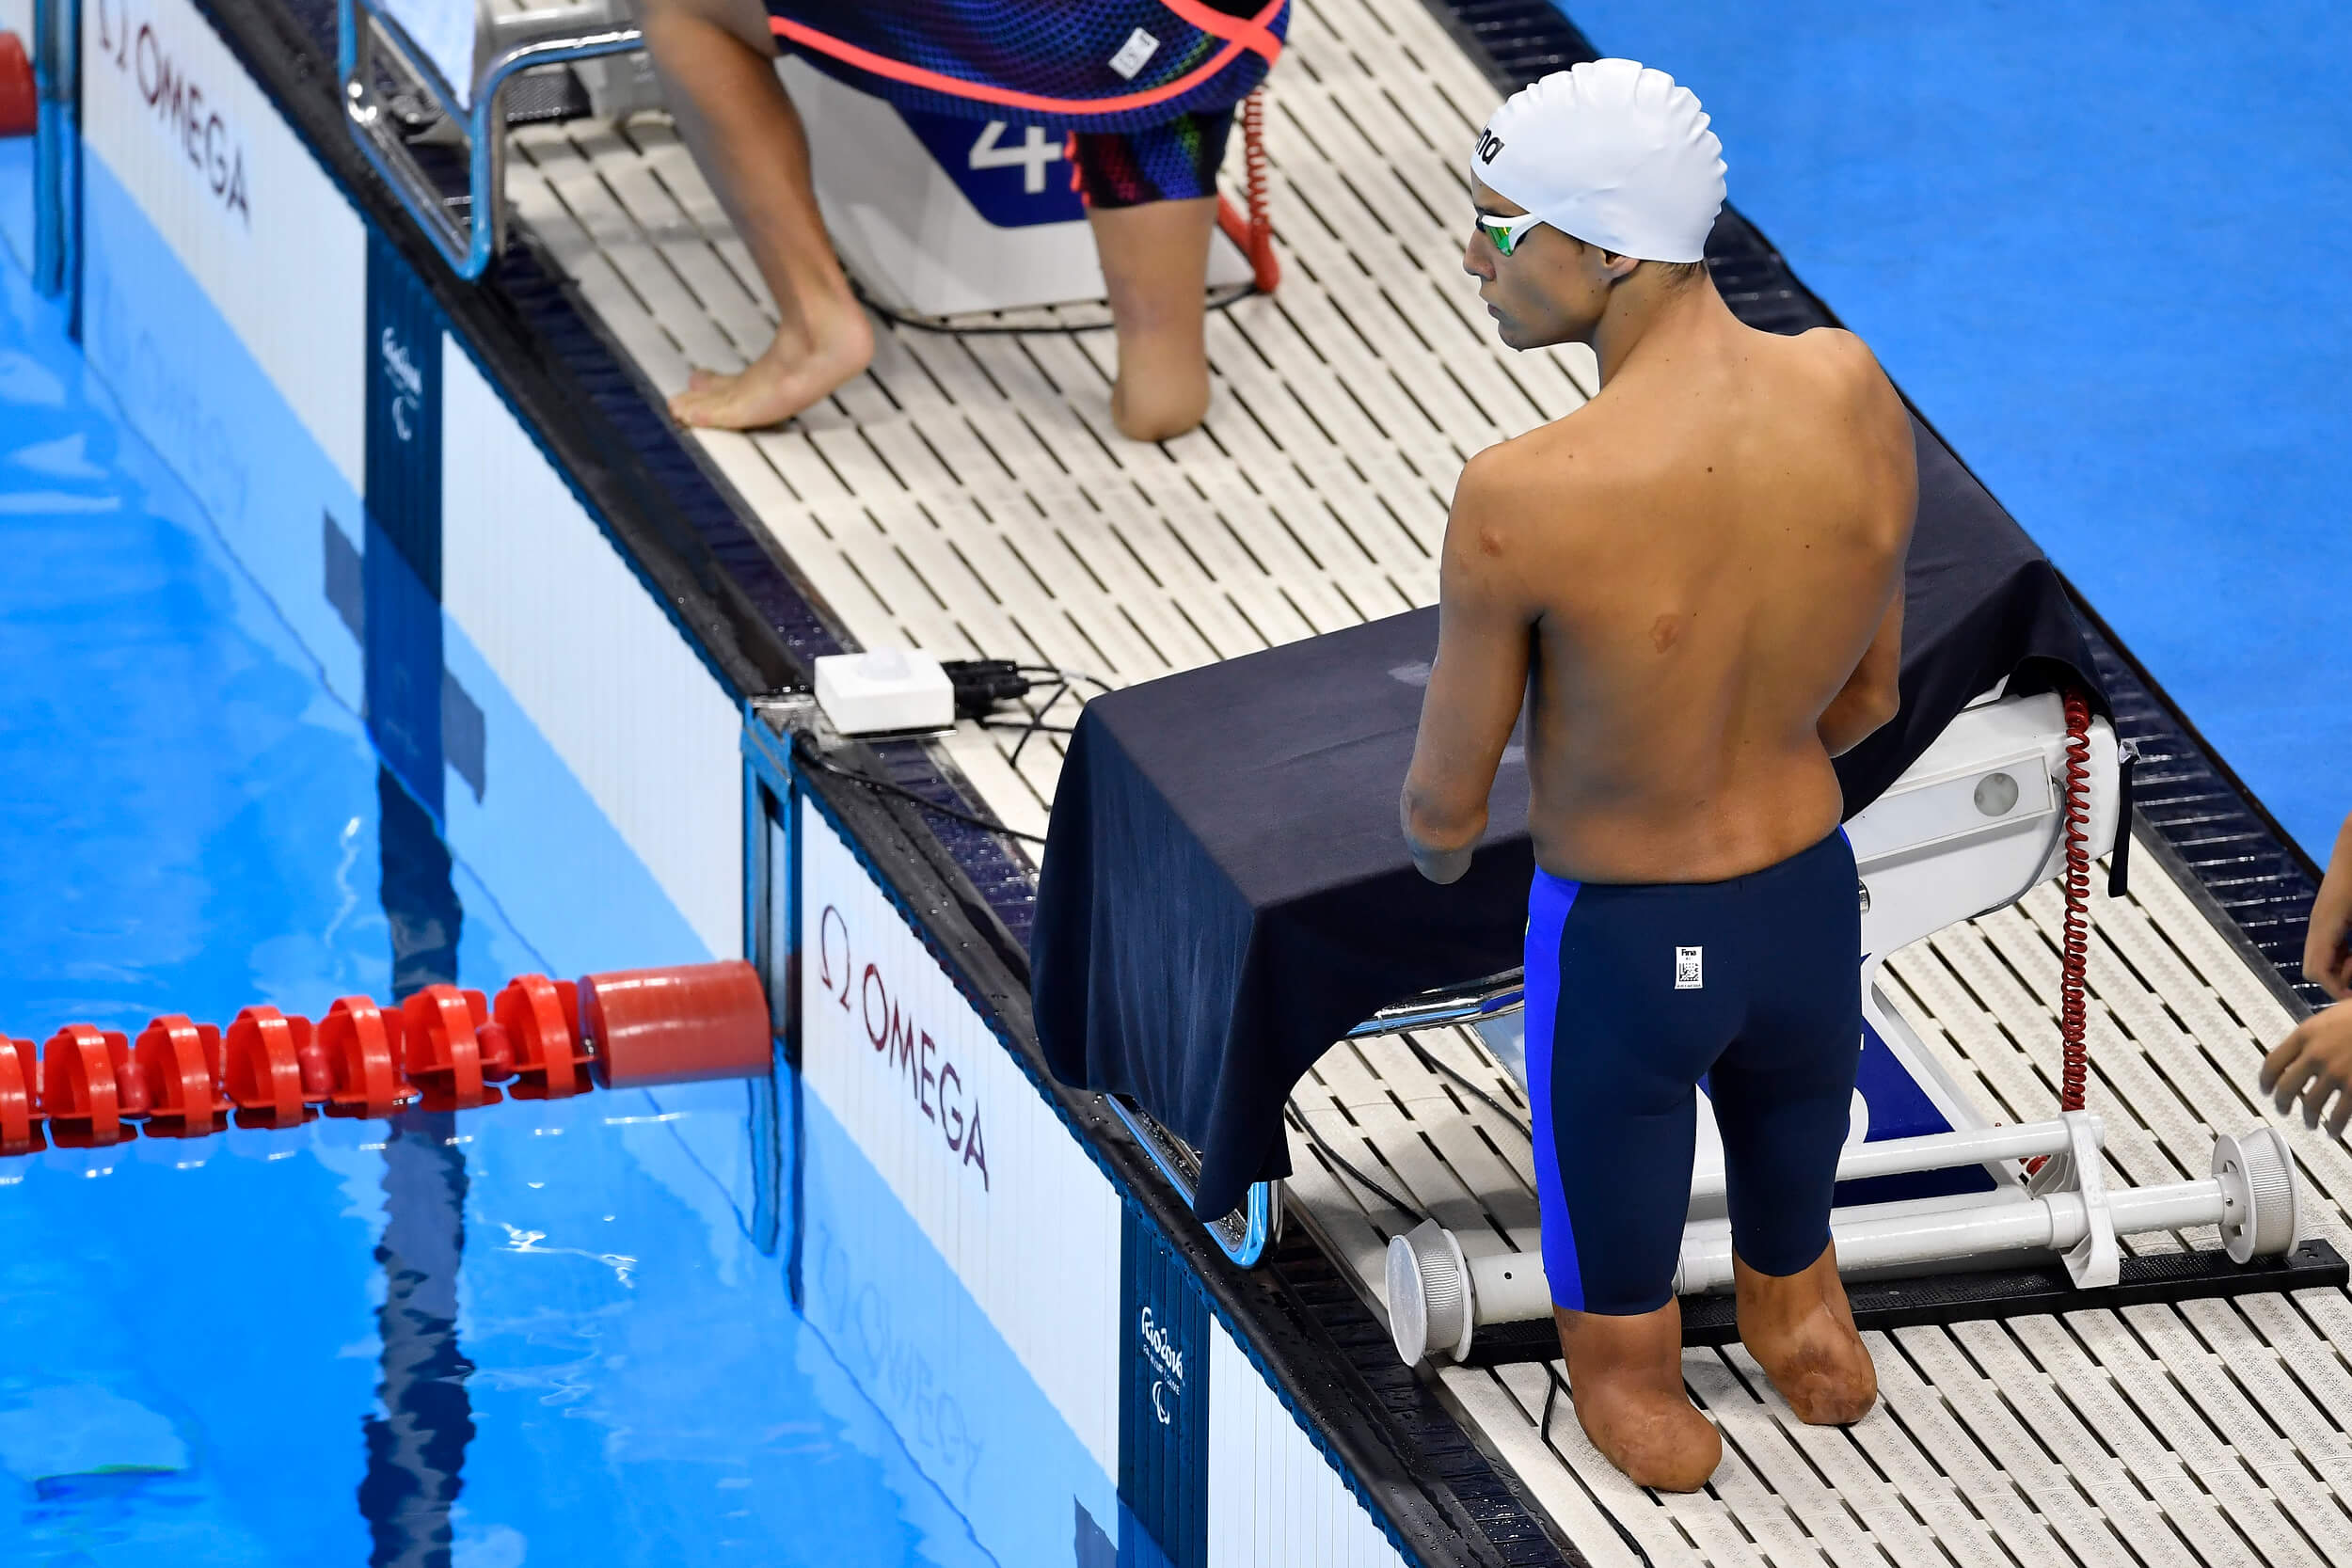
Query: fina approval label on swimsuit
x=1687, y=970
x=1140, y=46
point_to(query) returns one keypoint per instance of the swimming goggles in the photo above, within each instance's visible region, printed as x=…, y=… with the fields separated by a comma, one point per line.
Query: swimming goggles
x=1505, y=233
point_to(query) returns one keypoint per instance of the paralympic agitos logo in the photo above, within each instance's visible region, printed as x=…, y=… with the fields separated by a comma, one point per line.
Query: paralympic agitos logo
x=190, y=123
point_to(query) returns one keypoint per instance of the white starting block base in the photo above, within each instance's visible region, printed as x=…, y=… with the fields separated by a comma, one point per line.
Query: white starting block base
x=910, y=235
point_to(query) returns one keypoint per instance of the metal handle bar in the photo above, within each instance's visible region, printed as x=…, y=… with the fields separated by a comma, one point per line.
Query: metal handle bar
x=467, y=248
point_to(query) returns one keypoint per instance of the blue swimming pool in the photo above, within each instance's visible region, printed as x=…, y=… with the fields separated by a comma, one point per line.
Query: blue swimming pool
x=537, y=1333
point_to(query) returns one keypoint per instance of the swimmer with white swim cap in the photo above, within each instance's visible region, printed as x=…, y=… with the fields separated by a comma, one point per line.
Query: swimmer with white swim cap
x=1693, y=585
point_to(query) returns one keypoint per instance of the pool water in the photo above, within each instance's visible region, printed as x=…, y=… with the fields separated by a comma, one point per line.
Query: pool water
x=536, y=1333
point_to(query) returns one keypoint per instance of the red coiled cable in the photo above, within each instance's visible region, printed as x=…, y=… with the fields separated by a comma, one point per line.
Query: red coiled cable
x=2074, y=947
x=1254, y=234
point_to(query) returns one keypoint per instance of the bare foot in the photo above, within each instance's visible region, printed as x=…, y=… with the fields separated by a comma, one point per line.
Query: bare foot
x=1801, y=1330
x=1624, y=1376
x=792, y=375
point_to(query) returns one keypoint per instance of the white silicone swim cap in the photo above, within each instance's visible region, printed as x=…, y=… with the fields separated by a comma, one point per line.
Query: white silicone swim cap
x=1611, y=153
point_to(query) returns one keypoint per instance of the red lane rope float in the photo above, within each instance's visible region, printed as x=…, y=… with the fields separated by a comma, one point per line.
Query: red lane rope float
x=1254, y=234
x=87, y=1089
x=443, y=1049
x=535, y=1015
x=20, y=100
x=676, y=1025
x=2074, y=946
x=363, y=1043
x=444, y=1055
x=20, y=1097
x=179, y=1060
x=272, y=1069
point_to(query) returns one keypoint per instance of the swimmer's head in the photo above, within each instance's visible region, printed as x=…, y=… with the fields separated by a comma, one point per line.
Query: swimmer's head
x=1610, y=165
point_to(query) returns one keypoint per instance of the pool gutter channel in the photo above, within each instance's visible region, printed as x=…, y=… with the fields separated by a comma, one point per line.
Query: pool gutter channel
x=690, y=538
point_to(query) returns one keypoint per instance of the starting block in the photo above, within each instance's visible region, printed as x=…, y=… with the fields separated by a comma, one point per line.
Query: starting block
x=1925, y=1183
x=934, y=215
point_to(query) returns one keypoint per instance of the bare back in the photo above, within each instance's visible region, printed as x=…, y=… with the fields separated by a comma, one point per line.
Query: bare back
x=1697, y=579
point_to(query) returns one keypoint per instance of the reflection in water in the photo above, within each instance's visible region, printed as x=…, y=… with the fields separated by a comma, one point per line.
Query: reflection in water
x=415, y=1444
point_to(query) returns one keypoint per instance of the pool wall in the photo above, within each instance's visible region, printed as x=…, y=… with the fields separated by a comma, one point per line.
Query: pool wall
x=531, y=679
x=904, y=1045
x=519, y=678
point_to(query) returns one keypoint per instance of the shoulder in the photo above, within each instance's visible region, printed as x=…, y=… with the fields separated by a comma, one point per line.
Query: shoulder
x=1553, y=463
x=1521, y=496
x=1845, y=360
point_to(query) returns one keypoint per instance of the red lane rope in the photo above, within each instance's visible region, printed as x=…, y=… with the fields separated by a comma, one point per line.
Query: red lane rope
x=2074, y=947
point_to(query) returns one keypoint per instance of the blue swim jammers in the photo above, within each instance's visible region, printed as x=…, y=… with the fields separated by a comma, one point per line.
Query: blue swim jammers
x=1637, y=993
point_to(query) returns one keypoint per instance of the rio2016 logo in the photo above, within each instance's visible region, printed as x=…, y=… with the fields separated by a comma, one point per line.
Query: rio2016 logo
x=1170, y=1362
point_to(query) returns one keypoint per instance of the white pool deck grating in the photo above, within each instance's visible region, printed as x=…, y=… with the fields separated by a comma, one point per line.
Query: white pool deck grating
x=968, y=496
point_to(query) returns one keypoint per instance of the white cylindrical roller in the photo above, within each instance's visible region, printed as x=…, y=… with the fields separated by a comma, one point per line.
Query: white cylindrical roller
x=2261, y=1215
x=1972, y=1146
x=1437, y=1298
x=1894, y=1240
x=1429, y=1302
x=2179, y=1206
x=1508, y=1288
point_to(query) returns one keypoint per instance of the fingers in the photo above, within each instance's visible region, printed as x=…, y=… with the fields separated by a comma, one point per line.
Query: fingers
x=2289, y=1071
x=2276, y=1063
x=2316, y=1094
x=2293, y=1081
x=2312, y=1066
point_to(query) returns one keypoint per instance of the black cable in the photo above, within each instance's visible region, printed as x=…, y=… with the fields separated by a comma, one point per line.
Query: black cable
x=919, y=324
x=1352, y=1173
x=806, y=749
x=1034, y=724
x=1496, y=1105
x=1065, y=676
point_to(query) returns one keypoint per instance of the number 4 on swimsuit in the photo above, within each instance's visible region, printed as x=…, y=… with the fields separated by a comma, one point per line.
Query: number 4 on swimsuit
x=1034, y=152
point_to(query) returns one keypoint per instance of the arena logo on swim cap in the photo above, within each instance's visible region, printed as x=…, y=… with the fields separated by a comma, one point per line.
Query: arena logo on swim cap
x=1489, y=145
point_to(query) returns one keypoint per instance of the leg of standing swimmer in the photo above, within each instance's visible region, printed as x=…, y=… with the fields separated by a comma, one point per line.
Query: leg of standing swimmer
x=1155, y=264
x=1800, y=1331
x=717, y=63
x=1625, y=1377
x=1783, y=1095
x=1613, y=1057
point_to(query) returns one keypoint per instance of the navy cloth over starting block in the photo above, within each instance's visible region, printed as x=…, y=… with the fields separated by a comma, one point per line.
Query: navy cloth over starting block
x=1226, y=891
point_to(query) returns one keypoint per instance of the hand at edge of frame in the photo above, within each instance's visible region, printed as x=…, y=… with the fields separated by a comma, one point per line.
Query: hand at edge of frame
x=2312, y=1064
